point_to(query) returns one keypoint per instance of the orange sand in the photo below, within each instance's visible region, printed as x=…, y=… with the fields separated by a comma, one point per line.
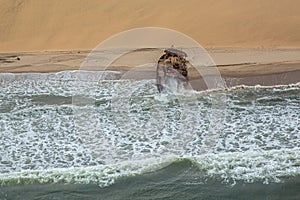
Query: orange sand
x=31, y=25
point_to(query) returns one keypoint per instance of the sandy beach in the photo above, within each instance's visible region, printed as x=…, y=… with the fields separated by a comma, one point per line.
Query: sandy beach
x=236, y=66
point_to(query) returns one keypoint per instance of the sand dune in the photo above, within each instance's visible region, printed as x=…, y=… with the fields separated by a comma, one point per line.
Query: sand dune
x=30, y=25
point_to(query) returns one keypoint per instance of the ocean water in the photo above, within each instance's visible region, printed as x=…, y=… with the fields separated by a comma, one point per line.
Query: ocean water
x=70, y=135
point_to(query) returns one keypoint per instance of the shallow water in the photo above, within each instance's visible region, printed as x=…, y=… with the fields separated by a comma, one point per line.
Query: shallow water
x=122, y=138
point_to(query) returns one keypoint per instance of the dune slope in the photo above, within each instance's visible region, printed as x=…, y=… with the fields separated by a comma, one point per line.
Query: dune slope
x=30, y=25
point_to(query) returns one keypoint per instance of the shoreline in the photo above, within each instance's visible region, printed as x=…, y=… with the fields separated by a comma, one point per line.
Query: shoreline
x=236, y=66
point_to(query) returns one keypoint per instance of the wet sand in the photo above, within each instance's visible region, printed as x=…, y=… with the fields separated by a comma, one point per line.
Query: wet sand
x=236, y=66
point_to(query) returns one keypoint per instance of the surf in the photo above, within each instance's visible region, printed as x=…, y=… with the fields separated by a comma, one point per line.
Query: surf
x=63, y=142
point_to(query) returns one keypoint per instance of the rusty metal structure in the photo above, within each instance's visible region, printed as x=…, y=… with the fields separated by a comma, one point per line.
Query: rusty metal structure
x=172, y=64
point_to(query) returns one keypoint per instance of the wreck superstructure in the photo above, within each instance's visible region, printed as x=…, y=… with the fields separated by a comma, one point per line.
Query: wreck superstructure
x=172, y=70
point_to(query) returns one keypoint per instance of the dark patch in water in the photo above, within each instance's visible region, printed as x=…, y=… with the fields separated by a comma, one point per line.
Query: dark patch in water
x=51, y=100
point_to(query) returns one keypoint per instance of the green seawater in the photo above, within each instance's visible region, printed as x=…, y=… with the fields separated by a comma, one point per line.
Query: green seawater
x=179, y=180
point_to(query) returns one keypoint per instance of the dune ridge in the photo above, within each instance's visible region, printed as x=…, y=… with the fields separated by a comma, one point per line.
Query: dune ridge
x=30, y=25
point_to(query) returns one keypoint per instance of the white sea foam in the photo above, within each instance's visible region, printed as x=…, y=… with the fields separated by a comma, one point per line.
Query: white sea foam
x=61, y=128
x=267, y=166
